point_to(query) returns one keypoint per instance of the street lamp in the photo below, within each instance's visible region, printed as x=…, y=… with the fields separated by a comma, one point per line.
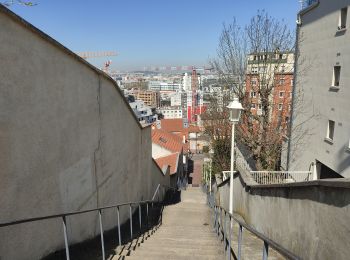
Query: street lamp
x=235, y=109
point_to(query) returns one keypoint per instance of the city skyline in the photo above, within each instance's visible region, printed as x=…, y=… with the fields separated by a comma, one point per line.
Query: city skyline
x=147, y=34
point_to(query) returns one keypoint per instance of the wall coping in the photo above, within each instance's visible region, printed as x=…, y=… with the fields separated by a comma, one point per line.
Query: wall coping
x=248, y=183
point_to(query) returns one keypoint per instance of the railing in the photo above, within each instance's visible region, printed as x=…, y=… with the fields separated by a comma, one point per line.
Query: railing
x=278, y=177
x=63, y=216
x=223, y=225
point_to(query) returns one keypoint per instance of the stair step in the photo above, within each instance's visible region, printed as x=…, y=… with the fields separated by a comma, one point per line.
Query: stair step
x=176, y=255
x=190, y=249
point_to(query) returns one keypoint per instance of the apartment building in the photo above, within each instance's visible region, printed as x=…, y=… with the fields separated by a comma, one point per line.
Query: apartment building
x=150, y=98
x=321, y=119
x=170, y=112
x=275, y=69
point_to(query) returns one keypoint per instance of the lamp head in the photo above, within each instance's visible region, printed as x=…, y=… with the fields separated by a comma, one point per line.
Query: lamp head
x=235, y=108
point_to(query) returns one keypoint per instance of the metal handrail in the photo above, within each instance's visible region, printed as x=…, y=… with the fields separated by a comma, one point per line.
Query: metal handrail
x=99, y=210
x=5, y=224
x=221, y=228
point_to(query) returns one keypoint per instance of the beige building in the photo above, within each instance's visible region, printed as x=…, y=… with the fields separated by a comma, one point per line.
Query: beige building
x=150, y=98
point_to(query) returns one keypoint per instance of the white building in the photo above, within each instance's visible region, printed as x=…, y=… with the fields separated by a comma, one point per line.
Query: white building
x=175, y=99
x=164, y=86
x=143, y=112
x=321, y=108
x=171, y=112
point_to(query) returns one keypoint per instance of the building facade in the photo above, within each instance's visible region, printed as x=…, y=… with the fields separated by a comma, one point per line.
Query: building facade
x=320, y=122
x=170, y=112
x=277, y=70
x=150, y=98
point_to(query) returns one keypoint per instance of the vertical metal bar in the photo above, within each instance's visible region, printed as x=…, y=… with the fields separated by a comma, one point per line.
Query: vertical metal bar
x=130, y=213
x=223, y=230
x=229, y=238
x=65, y=237
x=119, y=234
x=147, y=215
x=240, y=233
x=140, y=217
x=265, y=250
x=101, y=232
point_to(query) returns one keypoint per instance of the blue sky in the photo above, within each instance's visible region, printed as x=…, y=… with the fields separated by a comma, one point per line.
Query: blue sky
x=147, y=32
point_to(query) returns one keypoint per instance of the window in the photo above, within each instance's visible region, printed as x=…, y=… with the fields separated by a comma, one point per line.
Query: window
x=259, y=106
x=255, y=69
x=252, y=94
x=342, y=18
x=291, y=82
x=330, y=130
x=252, y=106
x=281, y=82
x=336, y=76
x=281, y=94
x=280, y=106
x=253, y=82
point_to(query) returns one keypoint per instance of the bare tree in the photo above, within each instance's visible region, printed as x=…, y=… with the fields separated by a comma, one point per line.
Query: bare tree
x=258, y=51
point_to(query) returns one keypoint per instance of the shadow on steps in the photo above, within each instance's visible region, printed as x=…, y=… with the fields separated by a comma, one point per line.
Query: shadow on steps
x=91, y=248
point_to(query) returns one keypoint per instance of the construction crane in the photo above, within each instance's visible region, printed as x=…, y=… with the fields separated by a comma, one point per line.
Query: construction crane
x=95, y=54
x=92, y=54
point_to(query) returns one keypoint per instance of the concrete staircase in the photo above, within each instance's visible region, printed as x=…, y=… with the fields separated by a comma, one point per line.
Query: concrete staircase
x=185, y=232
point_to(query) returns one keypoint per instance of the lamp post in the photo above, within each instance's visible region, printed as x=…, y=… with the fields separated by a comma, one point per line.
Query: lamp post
x=235, y=109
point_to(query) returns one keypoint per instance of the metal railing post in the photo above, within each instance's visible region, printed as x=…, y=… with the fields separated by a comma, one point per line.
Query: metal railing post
x=223, y=230
x=140, y=218
x=265, y=250
x=101, y=232
x=229, y=238
x=119, y=234
x=240, y=233
x=147, y=215
x=130, y=213
x=65, y=237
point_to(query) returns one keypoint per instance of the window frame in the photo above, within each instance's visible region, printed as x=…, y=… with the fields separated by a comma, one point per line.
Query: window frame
x=330, y=130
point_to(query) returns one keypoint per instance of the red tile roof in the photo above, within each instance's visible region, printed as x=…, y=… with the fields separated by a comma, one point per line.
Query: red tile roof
x=177, y=125
x=169, y=160
x=169, y=141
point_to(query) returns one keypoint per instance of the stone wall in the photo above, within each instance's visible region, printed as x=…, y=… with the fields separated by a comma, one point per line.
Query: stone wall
x=68, y=142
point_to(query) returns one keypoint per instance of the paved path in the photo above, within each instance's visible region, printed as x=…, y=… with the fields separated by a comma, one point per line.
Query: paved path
x=197, y=169
x=185, y=233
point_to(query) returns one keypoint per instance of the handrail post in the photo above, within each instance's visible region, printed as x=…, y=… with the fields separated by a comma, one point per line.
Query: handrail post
x=265, y=250
x=101, y=232
x=240, y=233
x=130, y=213
x=140, y=218
x=119, y=234
x=230, y=238
x=65, y=237
x=147, y=215
x=223, y=230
